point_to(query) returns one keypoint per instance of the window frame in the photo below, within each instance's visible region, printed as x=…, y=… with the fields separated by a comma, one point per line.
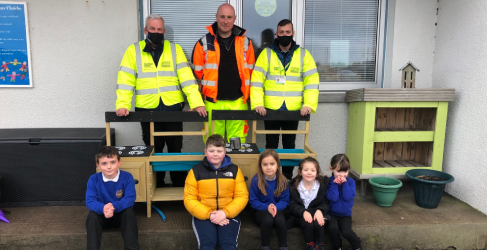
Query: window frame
x=298, y=18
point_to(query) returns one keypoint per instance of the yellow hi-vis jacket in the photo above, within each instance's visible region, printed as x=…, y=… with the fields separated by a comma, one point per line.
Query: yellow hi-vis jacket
x=301, y=87
x=172, y=74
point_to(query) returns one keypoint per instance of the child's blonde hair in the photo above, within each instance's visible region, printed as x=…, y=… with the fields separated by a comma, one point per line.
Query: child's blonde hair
x=280, y=178
x=340, y=163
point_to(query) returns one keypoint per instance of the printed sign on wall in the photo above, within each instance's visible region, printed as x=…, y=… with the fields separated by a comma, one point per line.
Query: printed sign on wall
x=15, y=63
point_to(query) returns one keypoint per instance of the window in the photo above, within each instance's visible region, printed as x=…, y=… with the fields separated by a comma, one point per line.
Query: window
x=343, y=37
x=185, y=21
x=263, y=17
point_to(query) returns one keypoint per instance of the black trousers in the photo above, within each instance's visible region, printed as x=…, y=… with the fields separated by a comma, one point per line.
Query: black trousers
x=174, y=143
x=288, y=141
x=125, y=220
x=312, y=232
x=266, y=222
x=338, y=224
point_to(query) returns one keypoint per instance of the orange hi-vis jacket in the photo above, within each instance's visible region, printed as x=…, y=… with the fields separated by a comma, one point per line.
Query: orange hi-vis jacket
x=206, y=60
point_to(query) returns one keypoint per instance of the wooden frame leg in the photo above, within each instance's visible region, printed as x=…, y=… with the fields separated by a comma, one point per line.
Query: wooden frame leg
x=363, y=187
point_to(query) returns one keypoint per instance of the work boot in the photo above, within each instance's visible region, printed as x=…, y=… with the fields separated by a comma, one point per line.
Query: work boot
x=310, y=246
x=266, y=248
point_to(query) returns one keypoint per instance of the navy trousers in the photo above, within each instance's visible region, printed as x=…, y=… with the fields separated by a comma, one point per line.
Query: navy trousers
x=210, y=235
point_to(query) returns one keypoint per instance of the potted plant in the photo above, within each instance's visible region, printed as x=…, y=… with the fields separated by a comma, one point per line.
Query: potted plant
x=428, y=186
x=385, y=190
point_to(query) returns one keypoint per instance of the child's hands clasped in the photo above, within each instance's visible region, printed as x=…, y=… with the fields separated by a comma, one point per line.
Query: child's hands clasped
x=272, y=209
x=319, y=217
x=339, y=180
x=219, y=217
x=307, y=217
x=108, y=210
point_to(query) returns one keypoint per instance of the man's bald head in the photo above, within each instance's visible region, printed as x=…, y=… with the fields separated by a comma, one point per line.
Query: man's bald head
x=225, y=17
x=225, y=7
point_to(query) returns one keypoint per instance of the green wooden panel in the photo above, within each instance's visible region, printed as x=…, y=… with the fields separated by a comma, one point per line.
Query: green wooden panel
x=355, y=134
x=407, y=104
x=368, y=142
x=439, y=138
x=400, y=136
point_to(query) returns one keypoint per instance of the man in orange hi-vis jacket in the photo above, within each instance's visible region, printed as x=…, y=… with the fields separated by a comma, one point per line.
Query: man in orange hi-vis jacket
x=223, y=60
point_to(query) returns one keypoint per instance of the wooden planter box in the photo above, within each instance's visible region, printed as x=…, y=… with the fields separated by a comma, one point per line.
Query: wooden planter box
x=391, y=131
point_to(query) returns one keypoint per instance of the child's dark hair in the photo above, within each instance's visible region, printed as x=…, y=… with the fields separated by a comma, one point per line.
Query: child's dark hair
x=107, y=151
x=319, y=174
x=215, y=140
x=340, y=163
x=280, y=178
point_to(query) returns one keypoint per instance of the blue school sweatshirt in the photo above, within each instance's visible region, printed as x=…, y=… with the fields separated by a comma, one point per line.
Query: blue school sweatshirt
x=341, y=197
x=259, y=201
x=121, y=193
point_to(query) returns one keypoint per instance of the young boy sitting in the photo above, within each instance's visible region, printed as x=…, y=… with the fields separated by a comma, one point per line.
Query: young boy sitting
x=110, y=196
x=215, y=193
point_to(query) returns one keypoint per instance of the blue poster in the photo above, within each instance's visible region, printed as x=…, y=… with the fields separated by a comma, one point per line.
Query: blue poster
x=15, y=68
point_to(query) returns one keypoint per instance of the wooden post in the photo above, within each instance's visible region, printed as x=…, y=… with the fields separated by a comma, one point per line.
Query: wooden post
x=109, y=142
x=306, y=136
x=152, y=133
x=254, y=128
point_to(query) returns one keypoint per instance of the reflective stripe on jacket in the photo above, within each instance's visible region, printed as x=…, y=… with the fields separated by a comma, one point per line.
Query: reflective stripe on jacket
x=172, y=74
x=206, y=60
x=207, y=190
x=302, y=81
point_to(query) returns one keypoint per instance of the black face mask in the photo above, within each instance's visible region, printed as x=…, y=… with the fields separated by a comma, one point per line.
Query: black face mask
x=155, y=38
x=284, y=41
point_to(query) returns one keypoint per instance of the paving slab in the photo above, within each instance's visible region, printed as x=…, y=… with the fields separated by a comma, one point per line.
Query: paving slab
x=404, y=225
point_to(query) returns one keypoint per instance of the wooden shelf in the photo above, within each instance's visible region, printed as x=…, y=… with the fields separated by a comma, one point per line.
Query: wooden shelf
x=397, y=164
x=168, y=194
x=396, y=95
x=391, y=131
x=401, y=136
x=405, y=119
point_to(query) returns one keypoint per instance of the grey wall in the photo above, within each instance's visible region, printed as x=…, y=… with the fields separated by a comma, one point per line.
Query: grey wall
x=460, y=62
x=76, y=48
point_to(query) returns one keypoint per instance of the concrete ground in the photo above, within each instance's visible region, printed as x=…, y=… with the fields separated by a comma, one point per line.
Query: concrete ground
x=404, y=225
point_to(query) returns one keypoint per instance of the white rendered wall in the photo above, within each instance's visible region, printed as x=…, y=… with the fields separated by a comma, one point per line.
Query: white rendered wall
x=76, y=49
x=414, y=40
x=460, y=62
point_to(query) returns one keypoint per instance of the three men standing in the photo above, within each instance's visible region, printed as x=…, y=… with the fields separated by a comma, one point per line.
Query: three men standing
x=159, y=73
x=223, y=59
x=284, y=78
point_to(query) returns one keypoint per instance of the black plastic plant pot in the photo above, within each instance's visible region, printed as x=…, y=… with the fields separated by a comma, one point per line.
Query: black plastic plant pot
x=428, y=193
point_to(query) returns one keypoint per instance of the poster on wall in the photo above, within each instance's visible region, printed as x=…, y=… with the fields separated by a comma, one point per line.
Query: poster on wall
x=15, y=62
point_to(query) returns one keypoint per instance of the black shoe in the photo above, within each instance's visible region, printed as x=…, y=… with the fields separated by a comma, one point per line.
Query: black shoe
x=310, y=246
x=320, y=245
x=283, y=248
x=266, y=248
